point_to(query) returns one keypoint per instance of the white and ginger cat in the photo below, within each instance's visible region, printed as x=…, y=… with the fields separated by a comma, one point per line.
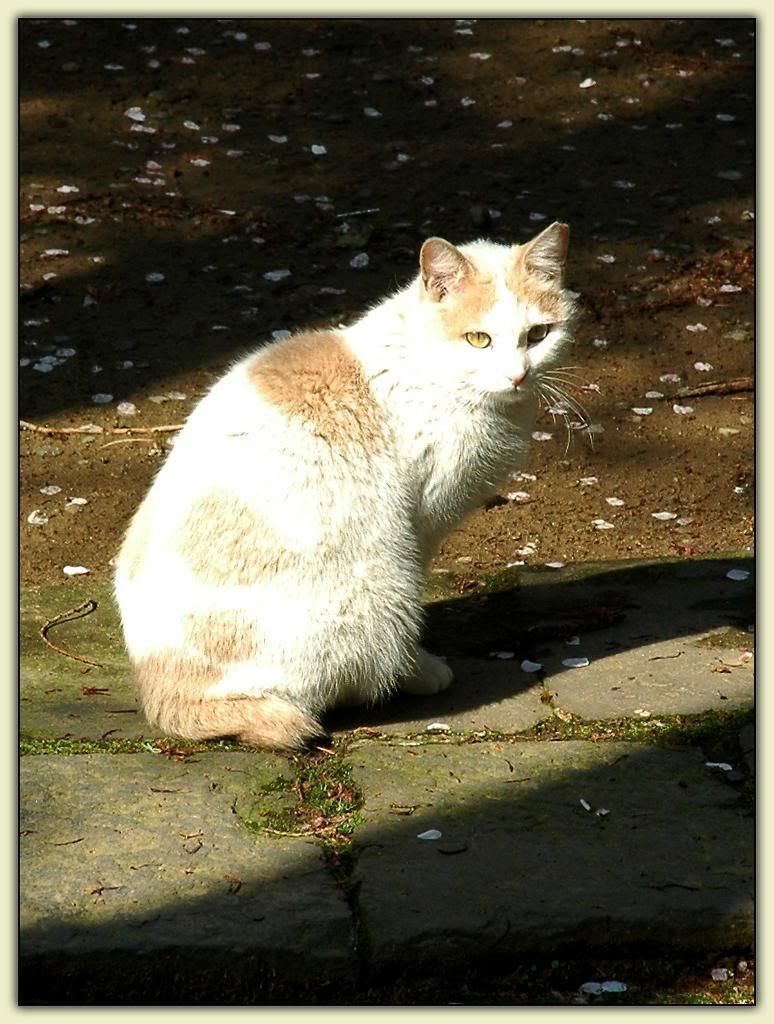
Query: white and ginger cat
x=276, y=566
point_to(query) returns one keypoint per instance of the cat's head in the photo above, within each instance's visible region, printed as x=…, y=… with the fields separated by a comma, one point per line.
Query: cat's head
x=499, y=314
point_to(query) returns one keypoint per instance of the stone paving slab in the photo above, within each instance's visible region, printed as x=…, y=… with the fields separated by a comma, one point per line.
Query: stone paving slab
x=130, y=854
x=679, y=647
x=138, y=872
x=60, y=697
x=522, y=867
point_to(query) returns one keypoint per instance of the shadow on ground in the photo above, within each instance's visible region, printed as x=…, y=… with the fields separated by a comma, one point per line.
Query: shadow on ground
x=640, y=626
x=660, y=864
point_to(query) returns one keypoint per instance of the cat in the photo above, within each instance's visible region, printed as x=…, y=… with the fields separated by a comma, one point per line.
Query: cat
x=275, y=568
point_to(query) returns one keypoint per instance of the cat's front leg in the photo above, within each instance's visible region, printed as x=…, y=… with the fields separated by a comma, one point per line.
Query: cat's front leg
x=431, y=675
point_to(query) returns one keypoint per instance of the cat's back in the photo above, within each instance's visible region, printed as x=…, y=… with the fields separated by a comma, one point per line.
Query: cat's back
x=310, y=385
x=291, y=434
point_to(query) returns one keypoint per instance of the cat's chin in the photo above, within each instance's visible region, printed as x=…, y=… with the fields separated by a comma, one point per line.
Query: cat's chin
x=509, y=396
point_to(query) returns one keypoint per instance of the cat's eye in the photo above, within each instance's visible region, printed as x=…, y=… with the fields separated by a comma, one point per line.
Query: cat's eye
x=537, y=333
x=478, y=339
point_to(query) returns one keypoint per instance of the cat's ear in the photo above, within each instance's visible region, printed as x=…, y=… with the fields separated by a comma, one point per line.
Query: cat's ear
x=546, y=255
x=444, y=268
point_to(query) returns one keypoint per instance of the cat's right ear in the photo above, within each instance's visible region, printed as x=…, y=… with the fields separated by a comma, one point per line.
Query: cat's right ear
x=444, y=269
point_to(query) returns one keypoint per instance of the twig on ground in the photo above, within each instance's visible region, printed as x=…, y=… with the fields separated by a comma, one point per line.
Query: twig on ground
x=716, y=387
x=94, y=429
x=74, y=613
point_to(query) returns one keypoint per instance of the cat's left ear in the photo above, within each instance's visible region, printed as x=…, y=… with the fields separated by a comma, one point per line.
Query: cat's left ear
x=444, y=268
x=546, y=255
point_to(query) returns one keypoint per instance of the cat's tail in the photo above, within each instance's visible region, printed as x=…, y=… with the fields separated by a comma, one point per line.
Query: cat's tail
x=267, y=721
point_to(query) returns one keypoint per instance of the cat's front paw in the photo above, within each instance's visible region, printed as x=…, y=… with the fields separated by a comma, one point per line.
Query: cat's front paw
x=432, y=675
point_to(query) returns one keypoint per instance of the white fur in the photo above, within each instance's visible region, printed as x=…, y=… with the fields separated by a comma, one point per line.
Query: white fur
x=365, y=525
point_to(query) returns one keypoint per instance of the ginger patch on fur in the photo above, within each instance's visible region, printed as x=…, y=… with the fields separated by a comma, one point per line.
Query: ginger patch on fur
x=222, y=636
x=315, y=378
x=226, y=542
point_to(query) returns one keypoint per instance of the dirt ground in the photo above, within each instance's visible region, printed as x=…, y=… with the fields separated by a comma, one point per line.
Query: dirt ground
x=167, y=166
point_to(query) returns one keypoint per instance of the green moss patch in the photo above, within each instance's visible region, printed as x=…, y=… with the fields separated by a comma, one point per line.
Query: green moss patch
x=320, y=800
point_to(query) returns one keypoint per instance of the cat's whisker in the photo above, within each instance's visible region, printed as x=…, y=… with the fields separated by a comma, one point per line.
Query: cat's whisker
x=552, y=392
x=573, y=380
x=550, y=401
x=566, y=399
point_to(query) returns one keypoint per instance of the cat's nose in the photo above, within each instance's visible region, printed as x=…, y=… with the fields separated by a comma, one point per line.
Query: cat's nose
x=520, y=378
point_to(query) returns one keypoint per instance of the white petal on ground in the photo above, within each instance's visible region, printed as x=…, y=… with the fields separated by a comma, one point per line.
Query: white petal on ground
x=126, y=409
x=503, y=655
x=615, y=501
x=135, y=114
x=576, y=662
x=737, y=574
x=51, y=489
x=431, y=833
x=703, y=367
x=682, y=410
x=37, y=518
x=606, y=257
x=654, y=394
x=518, y=496
x=602, y=524
x=437, y=727
x=664, y=516
x=642, y=410
x=154, y=277
x=76, y=501
x=572, y=641
x=585, y=804
x=555, y=565
x=530, y=666
x=722, y=765
x=670, y=378
x=541, y=435
x=587, y=83
x=75, y=570
x=694, y=328
x=359, y=260
x=587, y=481
x=372, y=112
x=101, y=398
x=319, y=150
x=276, y=275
